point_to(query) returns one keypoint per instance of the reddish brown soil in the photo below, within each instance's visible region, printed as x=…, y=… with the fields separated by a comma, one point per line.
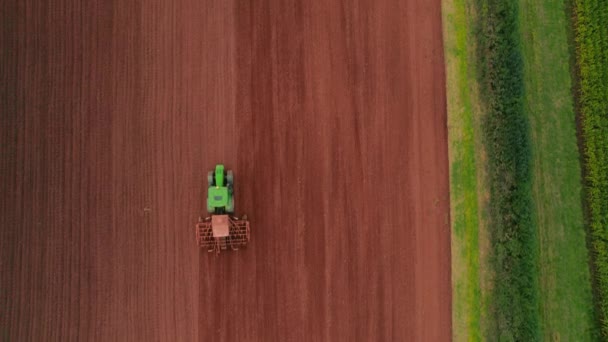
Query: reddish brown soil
x=332, y=116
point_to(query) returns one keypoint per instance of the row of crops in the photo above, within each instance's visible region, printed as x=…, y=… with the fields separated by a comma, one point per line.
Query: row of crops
x=513, y=235
x=590, y=19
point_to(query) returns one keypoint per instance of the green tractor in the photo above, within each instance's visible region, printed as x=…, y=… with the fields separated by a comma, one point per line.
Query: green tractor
x=220, y=197
x=222, y=229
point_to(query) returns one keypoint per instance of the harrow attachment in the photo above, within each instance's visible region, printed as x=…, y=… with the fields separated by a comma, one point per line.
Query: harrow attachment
x=220, y=232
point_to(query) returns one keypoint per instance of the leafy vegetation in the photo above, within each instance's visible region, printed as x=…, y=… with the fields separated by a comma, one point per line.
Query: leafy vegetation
x=591, y=37
x=514, y=241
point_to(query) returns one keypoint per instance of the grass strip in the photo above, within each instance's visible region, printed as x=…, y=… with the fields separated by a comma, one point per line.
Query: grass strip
x=466, y=290
x=565, y=284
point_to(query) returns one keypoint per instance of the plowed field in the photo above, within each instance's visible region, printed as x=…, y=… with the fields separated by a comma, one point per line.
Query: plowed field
x=332, y=115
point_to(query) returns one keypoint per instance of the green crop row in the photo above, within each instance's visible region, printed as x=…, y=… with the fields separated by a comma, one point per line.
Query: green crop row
x=513, y=235
x=591, y=38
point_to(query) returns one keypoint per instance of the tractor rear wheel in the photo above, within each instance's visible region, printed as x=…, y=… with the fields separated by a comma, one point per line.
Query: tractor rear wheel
x=210, y=178
x=229, y=178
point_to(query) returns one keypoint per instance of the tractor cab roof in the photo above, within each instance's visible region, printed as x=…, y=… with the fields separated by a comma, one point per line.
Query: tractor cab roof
x=218, y=196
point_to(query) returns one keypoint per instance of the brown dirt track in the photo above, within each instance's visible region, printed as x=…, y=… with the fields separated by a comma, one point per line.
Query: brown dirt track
x=332, y=116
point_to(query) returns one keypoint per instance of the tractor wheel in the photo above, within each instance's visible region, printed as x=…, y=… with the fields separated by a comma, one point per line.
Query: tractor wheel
x=229, y=177
x=230, y=206
x=210, y=178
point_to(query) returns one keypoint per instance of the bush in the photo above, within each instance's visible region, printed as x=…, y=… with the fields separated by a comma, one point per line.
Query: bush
x=513, y=234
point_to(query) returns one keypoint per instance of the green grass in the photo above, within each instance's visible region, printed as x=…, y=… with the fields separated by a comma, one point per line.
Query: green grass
x=466, y=288
x=566, y=299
